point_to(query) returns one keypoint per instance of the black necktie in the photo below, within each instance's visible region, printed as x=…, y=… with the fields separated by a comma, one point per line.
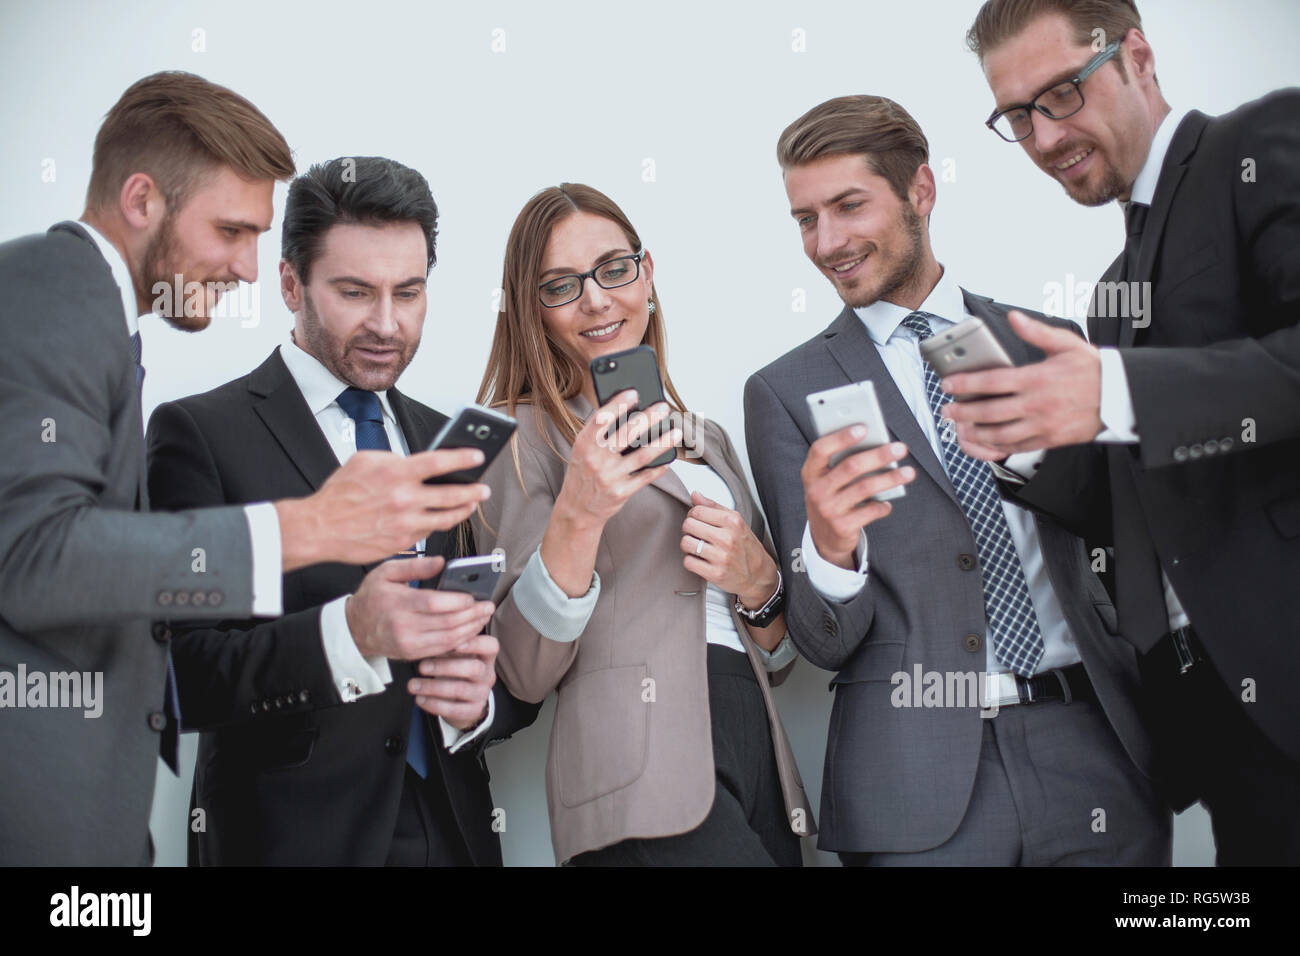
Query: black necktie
x=367, y=415
x=1135, y=220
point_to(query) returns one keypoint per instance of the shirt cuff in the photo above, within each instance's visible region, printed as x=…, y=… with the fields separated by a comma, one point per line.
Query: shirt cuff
x=354, y=676
x=453, y=738
x=1118, y=420
x=268, y=582
x=543, y=604
x=830, y=580
x=779, y=656
x=1020, y=467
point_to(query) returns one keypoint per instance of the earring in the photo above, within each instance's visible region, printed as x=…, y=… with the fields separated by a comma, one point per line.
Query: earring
x=650, y=302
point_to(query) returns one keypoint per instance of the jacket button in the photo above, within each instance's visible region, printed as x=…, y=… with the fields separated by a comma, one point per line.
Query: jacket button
x=1211, y=447
x=164, y=598
x=162, y=633
x=1196, y=451
x=393, y=745
x=266, y=706
x=216, y=597
x=252, y=708
x=182, y=598
x=1225, y=443
x=965, y=561
x=1180, y=453
x=157, y=721
x=972, y=642
x=304, y=696
x=200, y=597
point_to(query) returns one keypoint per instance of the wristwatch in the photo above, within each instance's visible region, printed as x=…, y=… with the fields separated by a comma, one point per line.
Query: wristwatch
x=765, y=615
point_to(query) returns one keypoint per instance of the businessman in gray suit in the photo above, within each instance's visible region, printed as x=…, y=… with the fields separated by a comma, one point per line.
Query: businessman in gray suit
x=984, y=706
x=180, y=189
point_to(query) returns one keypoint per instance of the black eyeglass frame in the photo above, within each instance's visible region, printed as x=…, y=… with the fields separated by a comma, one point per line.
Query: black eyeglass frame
x=636, y=258
x=1032, y=106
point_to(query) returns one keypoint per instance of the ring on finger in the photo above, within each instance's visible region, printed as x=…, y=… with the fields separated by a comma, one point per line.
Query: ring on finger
x=699, y=546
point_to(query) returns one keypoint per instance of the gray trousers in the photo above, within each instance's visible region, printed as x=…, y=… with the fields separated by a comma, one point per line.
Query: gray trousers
x=1054, y=788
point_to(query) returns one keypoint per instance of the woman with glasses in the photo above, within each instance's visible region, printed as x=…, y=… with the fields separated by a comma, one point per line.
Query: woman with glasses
x=648, y=598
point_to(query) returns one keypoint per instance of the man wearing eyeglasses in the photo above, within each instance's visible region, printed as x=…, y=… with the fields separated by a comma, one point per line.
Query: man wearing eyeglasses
x=1175, y=435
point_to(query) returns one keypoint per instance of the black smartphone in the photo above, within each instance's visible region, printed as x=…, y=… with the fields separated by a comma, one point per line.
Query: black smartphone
x=472, y=427
x=475, y=576
x=639, y=369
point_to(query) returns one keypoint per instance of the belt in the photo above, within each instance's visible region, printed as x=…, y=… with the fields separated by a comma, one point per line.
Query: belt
x=1177, y=652
x=1062, y=683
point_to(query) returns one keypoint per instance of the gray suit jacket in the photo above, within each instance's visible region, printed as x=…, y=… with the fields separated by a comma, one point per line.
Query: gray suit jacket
x=898, y=779
x=81, y=572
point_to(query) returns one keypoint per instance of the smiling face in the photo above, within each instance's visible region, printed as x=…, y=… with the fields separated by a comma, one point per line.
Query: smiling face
x=868, y=242
x=599, y=321
x=211, y=239
x=362, y=311
x=1097, y=153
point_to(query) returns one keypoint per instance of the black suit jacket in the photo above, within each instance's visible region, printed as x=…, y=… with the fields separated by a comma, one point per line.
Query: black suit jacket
x=287, y=773
x=1213, y=488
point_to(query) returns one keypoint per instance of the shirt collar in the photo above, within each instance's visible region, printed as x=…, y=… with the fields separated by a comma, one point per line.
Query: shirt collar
x=1144, y=187
x=945, y=301
x=121, y=275
x=319, y=386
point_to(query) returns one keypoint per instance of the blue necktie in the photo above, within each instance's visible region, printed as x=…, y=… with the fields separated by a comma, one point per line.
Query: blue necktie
x=364, y=410
x=1017, y=641
x=171, y=697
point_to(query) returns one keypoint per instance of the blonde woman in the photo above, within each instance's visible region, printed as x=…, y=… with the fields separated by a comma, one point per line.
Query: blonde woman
x=648, y=600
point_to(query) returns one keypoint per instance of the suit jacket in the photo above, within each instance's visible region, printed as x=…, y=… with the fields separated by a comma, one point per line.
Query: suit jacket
x=287, y=773
x=899, y=778
x=81, y=571
x=631, y=751
x=1213, y=489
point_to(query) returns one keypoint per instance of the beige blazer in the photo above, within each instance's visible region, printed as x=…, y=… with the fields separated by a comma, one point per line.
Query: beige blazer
x=631, y=750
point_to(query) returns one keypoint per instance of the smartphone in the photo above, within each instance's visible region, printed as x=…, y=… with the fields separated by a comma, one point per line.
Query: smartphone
x=476, y=576
x=634, y=368
x=855, y=404
x=968, y=346
x=472, y=427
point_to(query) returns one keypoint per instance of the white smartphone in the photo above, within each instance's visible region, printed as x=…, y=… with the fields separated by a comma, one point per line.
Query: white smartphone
x=855, y=404
x=968, y=346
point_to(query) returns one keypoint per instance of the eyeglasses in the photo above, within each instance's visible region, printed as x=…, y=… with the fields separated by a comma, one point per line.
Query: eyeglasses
x=1056, y=102
x=608, y=275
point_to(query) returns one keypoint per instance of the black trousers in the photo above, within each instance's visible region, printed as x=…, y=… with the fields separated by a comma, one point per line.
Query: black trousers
x=747, y=824
x=1209, y=748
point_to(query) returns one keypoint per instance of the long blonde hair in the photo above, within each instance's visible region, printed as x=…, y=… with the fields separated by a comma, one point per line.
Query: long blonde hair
x=527, y=365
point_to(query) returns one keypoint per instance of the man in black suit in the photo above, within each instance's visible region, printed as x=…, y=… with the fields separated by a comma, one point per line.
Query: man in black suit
x=1175, y=436
x=317, y=744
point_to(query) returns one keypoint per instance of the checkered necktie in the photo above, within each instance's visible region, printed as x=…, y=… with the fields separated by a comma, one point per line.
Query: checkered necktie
x=1017, y=641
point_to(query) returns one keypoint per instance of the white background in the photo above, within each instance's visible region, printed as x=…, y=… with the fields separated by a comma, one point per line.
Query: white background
x=671, y=108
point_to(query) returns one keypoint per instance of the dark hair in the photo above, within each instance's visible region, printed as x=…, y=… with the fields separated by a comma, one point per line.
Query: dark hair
x=369, y=190
x=874, y=127
x=175, y=127
x=1000, y=20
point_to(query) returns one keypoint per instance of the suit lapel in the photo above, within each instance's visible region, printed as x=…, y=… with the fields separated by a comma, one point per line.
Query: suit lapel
x=279, y=403
x=849, y=345
x=1181, y=148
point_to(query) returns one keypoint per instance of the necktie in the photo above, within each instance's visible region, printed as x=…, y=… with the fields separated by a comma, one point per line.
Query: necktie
x=171, y=697
x=1017, y=641
x=1135, y=220
x=368, y=418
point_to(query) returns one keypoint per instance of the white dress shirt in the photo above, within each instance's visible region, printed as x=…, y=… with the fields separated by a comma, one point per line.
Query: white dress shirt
x=899, y=349
x=263, y=522
x=355, y=676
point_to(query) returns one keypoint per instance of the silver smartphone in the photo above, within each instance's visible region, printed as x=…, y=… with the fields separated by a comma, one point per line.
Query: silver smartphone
x=476, y=576
x=968, y=346
x=855, y=404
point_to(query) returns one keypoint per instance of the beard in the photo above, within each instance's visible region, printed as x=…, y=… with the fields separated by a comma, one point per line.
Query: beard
x=904, y=269
x=1110, y=184
x=158, y=269
x=340, y=357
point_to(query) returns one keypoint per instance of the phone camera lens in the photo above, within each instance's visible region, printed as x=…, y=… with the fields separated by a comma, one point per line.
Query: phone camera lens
x=959, y=351
x=482, y=432
x=473, y=576
x=612, y=365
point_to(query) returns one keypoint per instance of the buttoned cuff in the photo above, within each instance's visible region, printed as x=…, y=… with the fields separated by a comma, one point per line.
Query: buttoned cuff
x=1118, y=420
x=453, y=738
x=268, y=580
x=831, y=581
x=1020, y=467
x=779, y=656
x=354, y=676
x=544, y=605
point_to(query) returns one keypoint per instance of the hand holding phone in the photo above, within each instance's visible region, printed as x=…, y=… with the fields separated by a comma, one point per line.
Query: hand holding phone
x=848, y=405
x=472, y=427
x=968, y=346
x=638, y=369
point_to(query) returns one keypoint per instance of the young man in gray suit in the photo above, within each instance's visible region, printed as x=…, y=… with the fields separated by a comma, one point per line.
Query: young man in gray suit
x=917, y=601
x=180, y=189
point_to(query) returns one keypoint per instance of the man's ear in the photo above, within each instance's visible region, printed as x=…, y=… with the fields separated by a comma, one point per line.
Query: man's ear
x=921, y=192
x=291, y=287
x=1137, y=51
x=140, y=202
